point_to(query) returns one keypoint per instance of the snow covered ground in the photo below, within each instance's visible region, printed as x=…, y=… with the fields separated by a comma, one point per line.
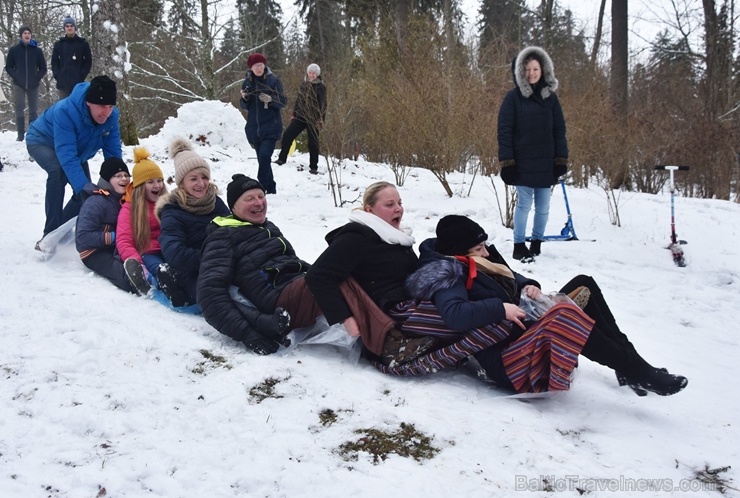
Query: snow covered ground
x=108, y=394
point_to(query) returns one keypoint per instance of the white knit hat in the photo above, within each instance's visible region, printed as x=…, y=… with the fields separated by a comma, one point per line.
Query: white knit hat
x=186, y=159
x=315, y=68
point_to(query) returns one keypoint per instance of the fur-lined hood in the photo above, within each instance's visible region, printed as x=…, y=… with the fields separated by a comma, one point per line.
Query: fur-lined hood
x=548, y=72
x=437, y=275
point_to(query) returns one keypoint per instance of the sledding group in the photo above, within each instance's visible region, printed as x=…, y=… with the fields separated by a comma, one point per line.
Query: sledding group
x=457, y=303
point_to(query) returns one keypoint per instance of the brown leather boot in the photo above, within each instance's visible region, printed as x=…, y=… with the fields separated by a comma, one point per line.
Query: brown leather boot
x=399, y=349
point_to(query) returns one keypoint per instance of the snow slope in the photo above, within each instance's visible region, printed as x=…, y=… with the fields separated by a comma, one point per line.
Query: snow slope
x=107, y=394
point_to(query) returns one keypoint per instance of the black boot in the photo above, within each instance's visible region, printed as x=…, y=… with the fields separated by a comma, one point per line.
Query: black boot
x=399, y=349
x=274, y=326
x=522, y=254
x=21, y=127
x=167, y=279
x=534, y=247
x=656, y=380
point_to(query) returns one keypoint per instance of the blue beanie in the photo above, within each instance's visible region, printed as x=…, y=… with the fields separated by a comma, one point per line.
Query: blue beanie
x=69, y=20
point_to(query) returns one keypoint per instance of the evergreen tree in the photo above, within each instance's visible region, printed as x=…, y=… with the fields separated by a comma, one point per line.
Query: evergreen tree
x=260, y=29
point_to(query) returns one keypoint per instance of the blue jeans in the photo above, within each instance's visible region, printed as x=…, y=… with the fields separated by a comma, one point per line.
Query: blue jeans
x=152, y=260
x=525, y=195
x=57, y=213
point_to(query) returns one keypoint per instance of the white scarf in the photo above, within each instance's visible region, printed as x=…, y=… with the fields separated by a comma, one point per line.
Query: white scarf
x=384, y=230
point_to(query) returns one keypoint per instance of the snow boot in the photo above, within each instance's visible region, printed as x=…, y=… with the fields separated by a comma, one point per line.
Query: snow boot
x=658, y=381
x=279, y=161
x=137, y=277
x=169, y=286
x=274, y=326
x=21, y=126
x=534, y=247
x=399, y=349
x=522, y=254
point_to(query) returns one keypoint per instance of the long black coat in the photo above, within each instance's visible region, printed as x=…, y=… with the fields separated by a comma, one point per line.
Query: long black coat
x=533, y=149
x=71, y=61
x=255, y=258
x=26, y=65
x=356, y=250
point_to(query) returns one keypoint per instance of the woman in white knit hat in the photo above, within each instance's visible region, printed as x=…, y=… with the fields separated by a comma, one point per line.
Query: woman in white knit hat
x=184, y=214
x=308, y=114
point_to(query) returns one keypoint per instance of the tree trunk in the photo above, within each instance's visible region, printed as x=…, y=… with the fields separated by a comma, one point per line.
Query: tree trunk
x=619, y=64
x=597, y=35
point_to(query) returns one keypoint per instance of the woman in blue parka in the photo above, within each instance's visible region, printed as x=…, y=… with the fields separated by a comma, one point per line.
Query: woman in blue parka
x=263, y=98
x=533, y=150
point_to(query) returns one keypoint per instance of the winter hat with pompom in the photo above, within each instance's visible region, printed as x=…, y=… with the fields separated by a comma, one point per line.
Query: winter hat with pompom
x=69, y=20
x=144, y=168
x=186, y=160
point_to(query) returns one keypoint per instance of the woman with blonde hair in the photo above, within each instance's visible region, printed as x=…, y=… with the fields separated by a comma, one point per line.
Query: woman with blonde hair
x=137, y=239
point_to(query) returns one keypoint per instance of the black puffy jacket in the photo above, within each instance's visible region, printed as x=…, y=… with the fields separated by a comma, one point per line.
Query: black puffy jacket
x=257, y=259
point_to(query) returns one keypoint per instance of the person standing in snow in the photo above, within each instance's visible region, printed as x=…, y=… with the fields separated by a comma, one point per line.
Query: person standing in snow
x=26, y=66
x=185, y=212
x=263, y=98
x=309, y=114
x=95, y=231
x=71, y=59
x=533, y=150
x=65, y=137
x=464, y=283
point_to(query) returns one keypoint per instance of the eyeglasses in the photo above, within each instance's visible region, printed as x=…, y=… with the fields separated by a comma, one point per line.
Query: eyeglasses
x=121, y=176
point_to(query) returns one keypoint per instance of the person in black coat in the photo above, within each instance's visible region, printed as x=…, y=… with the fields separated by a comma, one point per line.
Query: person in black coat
x=309, y=114
x=533, y=150
x=26, y=66
x=71, y=59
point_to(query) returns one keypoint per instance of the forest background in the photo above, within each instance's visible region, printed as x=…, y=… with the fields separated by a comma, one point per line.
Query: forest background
x=411, y=86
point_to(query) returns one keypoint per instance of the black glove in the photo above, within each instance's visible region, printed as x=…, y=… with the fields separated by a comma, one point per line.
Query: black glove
x=259, y=344
x=509, y=174
x=560, y=170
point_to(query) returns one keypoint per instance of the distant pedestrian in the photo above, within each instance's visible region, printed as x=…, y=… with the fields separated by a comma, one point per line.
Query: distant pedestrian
x=26, y=66
x=71, y=59
x=263, y=98
x=308, y=114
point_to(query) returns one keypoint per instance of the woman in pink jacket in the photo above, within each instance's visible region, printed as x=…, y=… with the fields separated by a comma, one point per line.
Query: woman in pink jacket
x=138, y=229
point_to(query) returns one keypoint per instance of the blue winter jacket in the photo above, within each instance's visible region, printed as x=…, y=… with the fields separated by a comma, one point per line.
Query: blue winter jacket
x=68, y=127
x=263, y=124
x=442, y=280
x=26, y=65
x=96, y=223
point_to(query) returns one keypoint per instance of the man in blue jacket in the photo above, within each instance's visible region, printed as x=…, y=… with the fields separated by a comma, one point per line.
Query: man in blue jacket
x=26, y=66
x=65, y=136
x=71, y=59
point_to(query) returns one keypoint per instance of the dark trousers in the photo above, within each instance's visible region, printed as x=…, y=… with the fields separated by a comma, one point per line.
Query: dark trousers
x=57, y=213
x=294, y=129
x=264, y=149
x=107, y=263
x=19, y=96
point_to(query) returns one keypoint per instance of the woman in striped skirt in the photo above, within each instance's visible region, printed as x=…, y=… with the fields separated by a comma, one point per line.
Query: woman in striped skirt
x=468, y=297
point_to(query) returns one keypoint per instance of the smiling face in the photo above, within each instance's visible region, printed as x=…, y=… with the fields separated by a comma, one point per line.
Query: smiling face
x=196, y=183
x=387, y=206
x=100, y=113
x=534, y=71
x=251, y=206
x=311, y=75
x=119, y=182
x=153, y=189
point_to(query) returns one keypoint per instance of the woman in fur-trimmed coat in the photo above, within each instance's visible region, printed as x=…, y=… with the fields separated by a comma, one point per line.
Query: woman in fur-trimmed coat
x=533, y=150
x=464, y=284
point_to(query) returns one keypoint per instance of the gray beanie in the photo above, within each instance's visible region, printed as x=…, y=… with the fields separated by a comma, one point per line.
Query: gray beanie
x=69, y=20
x=315, y=68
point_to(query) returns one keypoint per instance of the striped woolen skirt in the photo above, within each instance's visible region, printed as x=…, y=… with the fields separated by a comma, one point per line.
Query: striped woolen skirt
x=544, y=358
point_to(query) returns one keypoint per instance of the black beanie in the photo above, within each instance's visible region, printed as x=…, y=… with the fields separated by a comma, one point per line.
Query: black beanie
x=102, y=91
x=456, y=235
x=238, y=185
x=23, y=29
x=111, y=166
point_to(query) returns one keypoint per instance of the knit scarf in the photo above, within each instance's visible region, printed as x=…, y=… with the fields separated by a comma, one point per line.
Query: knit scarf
x=384, y=230
x=197, y=206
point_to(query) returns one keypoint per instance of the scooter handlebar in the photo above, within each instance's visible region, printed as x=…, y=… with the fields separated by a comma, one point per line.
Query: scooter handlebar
x=671, y=168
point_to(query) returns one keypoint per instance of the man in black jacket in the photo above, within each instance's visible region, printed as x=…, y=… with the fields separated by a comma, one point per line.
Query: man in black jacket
x=71, y=59
x=26, y=66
